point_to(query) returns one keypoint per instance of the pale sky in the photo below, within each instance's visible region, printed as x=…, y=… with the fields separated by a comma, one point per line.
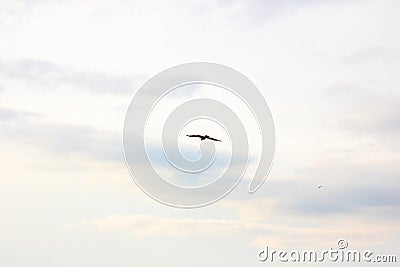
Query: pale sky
x=69, y=69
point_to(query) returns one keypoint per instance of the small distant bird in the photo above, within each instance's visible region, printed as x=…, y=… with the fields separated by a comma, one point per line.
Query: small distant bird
x=203, y=137
x=320, y=186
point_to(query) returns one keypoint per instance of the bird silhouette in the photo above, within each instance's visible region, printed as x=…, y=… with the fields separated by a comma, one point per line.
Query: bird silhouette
x=320, y=186
x=203, y=137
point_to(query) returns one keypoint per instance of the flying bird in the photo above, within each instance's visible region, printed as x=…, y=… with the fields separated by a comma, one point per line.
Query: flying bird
x=320, y=186
x=203, y=137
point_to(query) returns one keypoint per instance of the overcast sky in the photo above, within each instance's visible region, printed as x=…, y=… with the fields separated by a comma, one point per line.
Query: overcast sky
x=69, y=69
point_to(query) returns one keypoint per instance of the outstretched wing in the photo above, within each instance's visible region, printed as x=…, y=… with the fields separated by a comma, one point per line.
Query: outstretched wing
x=214, y=139
x=195, y=135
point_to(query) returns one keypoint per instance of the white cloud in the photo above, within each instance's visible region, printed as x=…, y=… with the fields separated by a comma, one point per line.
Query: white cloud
x=147, y=225
x=300, y=233
x=50, y=77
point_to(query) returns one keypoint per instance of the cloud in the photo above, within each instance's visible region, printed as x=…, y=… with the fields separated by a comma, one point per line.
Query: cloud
x=62, y=139
x=364, y=108
x=142, y=225
x=371, y=55
x=340, y=195
x=11, y=114
x=48, y=75
x=346, y=140
x=296, y=232
x=302, y=228
x=259, y=12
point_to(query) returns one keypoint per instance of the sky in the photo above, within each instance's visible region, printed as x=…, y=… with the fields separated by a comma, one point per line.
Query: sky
x=69, y=69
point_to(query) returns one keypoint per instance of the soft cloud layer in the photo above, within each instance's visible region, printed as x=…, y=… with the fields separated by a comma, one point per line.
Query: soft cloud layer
x=68, y=69
x=50, y=77
x=265, y=229
x=61, y=139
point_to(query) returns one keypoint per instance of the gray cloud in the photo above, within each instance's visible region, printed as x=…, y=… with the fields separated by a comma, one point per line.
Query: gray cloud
x=49, y=75
x=10, y=114
x=346, y=189
x=302, y=199
x=363, y=109
x=372, y=54
x=61, y=139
